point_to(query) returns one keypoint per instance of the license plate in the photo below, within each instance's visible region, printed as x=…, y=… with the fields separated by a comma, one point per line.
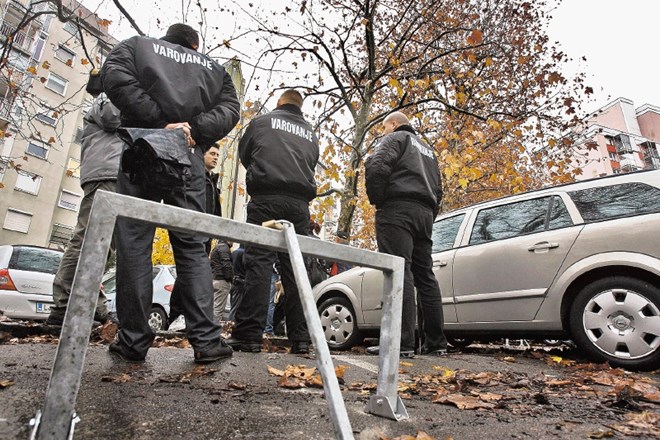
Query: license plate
x=43, y=307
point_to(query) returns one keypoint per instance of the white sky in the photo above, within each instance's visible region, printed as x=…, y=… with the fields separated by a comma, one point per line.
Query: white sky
x=619, y=38
x=621, y=41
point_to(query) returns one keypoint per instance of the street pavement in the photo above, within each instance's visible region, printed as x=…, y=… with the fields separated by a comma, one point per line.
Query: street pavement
x=169, y=397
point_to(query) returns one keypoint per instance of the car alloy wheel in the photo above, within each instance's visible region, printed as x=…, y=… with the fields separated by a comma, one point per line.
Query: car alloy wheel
x=618, y=319
x=339, y=323
x=157, y=319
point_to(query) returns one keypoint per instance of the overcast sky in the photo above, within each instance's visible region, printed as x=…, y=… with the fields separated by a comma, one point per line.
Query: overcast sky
x=619, y=38
x=621, y=42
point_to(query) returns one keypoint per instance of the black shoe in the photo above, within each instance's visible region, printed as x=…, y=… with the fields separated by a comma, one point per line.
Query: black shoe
x=124, y=353
x=375, y=350
x=434, y=351
x=299, y=347
x=56, y=319
x=220, y=351
x=238, y=345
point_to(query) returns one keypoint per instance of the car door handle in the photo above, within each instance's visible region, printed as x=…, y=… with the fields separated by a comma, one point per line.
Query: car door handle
x=440, y=264
x=544, y=245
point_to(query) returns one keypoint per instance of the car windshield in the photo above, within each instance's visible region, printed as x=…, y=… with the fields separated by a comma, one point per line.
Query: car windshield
x=35, y=259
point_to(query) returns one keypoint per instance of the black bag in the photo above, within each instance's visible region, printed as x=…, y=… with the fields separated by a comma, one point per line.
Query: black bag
x=316, y=271
x=156, y=157
x=94, y=85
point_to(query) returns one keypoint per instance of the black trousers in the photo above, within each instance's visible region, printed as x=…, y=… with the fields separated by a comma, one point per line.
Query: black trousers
x=134, y=268
x=404, y=229
x=253, y=308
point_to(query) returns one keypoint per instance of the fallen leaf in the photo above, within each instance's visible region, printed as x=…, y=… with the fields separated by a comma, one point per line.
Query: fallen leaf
x=602, y=434
x=275, y=371
x=463, y=402
x=237, y=386
x=290, y=382
x=406, y=364
x=6, y=383
x=122, y=378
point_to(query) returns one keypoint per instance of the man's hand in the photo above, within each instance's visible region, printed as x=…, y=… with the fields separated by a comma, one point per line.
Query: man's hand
x=186, y=129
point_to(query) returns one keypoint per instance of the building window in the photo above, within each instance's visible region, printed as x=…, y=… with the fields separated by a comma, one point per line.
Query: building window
x=47, y=116
x=73, y=168
x=71, y=28
x=65, y=54
x=69, y=200
x=61, y=234
x=38, y=49
x=3, y=168
x=56, y=83
x=37, y=149
x=614, y=157
x=28, y=183
x=17, y=221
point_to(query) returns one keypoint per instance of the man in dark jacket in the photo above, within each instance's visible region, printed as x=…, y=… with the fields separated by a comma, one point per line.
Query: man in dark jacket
x=280, y=152
x=166, y=83
x=223, y=273
x=99, y=163
x=403, y=183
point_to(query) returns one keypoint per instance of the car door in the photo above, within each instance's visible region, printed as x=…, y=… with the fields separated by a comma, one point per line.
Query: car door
x=444, y=238
x=514, y=252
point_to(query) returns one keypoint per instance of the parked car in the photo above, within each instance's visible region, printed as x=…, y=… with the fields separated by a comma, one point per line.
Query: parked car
x=26, y=280
x=579, y=261
x=163, y=282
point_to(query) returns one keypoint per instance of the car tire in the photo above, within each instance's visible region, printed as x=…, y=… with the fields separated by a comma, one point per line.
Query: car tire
x=158, y=319
x=617, y=319
x=339, y=323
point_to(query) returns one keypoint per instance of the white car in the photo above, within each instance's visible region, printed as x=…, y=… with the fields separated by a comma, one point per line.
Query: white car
x=26, y=280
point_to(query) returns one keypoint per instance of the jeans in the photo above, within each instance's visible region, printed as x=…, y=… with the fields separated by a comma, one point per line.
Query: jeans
x=252, y=311
x=271, y=304
x=404, y=229
x=67, y=270
x=134, y=268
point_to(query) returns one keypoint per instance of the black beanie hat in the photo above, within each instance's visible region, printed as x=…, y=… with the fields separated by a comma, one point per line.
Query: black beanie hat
x=183, y=35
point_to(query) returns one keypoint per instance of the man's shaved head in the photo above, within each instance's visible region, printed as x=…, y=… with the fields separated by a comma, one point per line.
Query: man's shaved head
x=291, y=97
x=394, y=121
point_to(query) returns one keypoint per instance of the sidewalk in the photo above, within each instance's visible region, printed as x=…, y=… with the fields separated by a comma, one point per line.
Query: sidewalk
x=169, y=397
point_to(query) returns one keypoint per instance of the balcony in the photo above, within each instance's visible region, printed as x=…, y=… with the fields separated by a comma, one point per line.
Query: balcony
x=22, y=40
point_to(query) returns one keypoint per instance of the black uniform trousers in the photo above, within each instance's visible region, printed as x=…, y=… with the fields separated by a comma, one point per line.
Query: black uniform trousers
x=253, y=308
x=134, y=242
x=404, y=229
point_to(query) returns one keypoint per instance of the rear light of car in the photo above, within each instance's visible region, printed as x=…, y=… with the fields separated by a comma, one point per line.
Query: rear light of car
x=169, y=287
x=5, y=280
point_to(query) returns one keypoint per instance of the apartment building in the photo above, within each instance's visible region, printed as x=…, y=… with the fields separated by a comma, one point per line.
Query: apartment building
x=42, y=102
x=619, y=138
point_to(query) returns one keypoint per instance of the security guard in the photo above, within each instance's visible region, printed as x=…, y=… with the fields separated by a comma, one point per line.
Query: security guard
x=279, y=151
x=403, y=183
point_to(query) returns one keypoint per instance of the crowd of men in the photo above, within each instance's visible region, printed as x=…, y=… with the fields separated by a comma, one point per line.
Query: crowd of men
x=165, y=94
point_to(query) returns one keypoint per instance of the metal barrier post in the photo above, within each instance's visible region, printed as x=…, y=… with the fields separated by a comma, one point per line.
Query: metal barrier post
x=58, y=417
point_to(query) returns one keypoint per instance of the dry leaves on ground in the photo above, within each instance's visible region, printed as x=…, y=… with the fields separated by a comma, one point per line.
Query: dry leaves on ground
x=645, y=424
x=421, y=435
x=5, y=383
x=301, y=376
x=171, y=342
x=187, y=377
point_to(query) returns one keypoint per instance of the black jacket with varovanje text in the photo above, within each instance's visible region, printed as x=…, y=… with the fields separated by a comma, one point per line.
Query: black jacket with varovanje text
x=154, y=83
x=279, y=150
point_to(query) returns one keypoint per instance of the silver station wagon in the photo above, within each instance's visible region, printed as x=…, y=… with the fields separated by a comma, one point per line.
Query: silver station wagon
x=578, y=261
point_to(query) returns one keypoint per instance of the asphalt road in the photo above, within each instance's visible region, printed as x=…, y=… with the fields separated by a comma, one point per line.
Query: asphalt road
x=527, y=394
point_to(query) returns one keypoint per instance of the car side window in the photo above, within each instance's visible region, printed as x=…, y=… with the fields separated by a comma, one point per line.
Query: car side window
x=510, y=220
x=444, y=232
x=607, y=202
x=35, y=260
x=559, y=216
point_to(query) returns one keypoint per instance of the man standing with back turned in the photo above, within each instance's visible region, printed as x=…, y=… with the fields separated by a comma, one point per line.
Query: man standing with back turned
x=166, y=83
x=403, y=183
x=279, y=151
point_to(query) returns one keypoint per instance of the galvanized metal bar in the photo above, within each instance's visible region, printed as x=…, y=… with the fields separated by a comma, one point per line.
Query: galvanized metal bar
x=183, y=220
x=58, y=418
x=386, y=402
x=340, y=421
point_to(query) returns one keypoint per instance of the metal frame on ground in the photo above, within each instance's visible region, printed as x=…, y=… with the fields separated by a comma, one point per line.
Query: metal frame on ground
x=58, y=417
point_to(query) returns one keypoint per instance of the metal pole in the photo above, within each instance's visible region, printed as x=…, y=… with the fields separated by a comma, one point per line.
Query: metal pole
x=386, y=402
x=58, y=418
x=340, y=421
